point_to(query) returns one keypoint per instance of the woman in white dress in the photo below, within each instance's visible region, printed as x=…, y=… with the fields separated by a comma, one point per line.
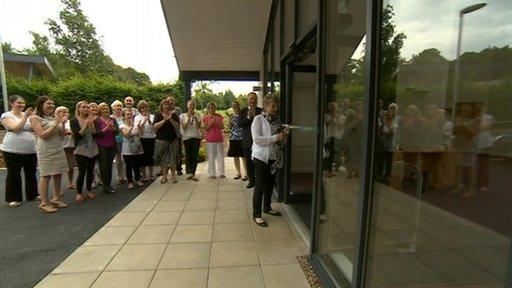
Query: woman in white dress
x=50, y=153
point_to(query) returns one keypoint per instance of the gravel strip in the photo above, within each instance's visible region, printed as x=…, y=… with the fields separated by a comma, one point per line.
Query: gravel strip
x=313, y=280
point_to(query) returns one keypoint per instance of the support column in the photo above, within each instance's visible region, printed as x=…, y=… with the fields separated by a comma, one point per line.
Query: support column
x=30, y=72
x=187, y=95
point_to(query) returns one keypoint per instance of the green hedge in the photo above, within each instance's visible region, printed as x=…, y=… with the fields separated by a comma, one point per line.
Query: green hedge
x=93, y=89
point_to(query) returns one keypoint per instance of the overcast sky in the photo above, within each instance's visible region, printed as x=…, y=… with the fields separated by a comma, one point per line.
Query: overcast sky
x=133, y=33
x=434, y=24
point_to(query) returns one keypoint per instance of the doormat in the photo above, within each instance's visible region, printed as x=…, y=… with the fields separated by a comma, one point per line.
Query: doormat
x=313, y=280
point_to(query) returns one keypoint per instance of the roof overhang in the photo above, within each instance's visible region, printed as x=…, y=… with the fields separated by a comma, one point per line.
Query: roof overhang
x=217, y=40
x=21, y=65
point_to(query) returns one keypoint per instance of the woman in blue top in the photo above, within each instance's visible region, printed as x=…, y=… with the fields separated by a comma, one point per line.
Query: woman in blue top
x=235, y=139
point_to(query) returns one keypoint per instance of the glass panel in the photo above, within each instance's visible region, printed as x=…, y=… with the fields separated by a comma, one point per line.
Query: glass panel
x=303, y=137
x=443, y=162
x=289, y=24
x=344, y=135
x=277, y=47
x=307, y=16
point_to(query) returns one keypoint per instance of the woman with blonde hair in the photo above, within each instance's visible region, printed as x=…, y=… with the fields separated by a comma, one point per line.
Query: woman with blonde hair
x=190, y=125
x=147, y=138
x=269, y=135
x=132, y=148
x=68, y=142
x=50, y=153
x=19, y=151
x=166, y=146
x=117, y=114
x=86, y=150
x=106, y=131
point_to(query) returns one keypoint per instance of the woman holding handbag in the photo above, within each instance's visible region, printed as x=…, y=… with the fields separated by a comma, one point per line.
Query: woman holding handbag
x=86, y=150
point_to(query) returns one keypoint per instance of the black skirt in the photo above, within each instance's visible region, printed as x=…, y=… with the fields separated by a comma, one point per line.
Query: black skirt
x=235, y=148
x=148, y=145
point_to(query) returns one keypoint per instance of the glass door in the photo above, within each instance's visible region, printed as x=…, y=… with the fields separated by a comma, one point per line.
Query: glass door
x=302, y=116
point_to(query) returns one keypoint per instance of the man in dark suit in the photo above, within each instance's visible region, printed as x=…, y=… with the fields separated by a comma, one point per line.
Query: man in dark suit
x=246, y=117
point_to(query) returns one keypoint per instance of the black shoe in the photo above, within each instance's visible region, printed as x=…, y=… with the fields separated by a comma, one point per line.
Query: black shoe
x=250, y=185
x=273, y=213
x=261, y=224
x=180, y=173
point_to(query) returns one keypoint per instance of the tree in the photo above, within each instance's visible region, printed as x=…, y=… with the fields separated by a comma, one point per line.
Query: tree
x=76, y=39
x=8, y=48
x=427, y=56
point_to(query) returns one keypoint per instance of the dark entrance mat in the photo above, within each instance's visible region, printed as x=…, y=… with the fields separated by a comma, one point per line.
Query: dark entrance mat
x=32, y=244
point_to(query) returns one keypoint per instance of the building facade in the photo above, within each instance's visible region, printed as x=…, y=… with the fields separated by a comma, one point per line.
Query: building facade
x=398, y=163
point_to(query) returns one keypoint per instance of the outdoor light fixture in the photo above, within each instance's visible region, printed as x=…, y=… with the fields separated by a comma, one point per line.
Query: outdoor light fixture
x=462, y=12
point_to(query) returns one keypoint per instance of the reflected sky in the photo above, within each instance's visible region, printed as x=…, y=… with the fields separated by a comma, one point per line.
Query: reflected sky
x=487, y=27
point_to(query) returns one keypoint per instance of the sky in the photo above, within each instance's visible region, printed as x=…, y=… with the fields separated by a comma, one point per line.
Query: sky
x=132, y=32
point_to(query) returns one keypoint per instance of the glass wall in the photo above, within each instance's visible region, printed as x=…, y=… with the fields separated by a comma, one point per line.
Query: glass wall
x=307, y=16
x=443, y=160
x=288, y=25
x=343, y=137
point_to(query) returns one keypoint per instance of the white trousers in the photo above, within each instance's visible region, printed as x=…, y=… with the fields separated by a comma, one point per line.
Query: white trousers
x=215, y=154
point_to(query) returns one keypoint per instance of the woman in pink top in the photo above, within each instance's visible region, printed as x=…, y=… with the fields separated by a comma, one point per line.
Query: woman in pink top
x=214, y=142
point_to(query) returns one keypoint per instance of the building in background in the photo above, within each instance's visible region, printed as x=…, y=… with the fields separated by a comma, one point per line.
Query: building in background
x=397, y=174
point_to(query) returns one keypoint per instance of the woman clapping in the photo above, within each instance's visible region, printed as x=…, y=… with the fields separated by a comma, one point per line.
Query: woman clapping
x=86, y=150
x=50, y=153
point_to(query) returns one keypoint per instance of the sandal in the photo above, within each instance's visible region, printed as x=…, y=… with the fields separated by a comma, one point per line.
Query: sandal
x=47, y=208
x=58, y=204
x=91, y=195
x=174, y=181
x=79, y=198
x=164, y=180
x=237, y=177
x=72, y=187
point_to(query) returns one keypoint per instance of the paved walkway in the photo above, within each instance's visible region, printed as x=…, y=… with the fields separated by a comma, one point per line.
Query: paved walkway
x=186, y=235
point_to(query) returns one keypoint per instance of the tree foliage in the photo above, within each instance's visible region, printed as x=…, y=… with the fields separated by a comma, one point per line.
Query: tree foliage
x=73, y=48
x=203, y=94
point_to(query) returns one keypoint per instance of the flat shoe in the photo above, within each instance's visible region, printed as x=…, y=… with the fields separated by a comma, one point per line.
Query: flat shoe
x=273, y=213
x=14, y=204
x=261, y=223
x=237, y=177
x=163, y=181
x=79, y=198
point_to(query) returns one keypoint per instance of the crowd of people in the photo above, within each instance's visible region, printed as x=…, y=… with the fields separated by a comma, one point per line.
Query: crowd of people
x=131, y=138
x=449, y=150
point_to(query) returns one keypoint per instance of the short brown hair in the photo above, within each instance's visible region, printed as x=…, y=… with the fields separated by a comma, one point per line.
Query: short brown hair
x=142, y=104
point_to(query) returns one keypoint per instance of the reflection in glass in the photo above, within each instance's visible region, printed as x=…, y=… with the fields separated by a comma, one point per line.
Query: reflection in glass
x=443, y=159
x=343, y=136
